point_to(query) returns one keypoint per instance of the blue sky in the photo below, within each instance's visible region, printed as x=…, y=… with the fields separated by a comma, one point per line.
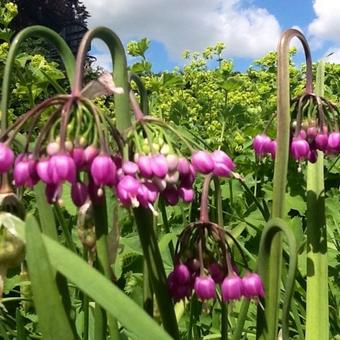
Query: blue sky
x=249, y=28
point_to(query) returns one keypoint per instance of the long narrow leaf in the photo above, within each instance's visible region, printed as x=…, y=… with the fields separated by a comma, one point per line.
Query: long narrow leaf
x=95, y=285
x=53, y=321
x=45, y=211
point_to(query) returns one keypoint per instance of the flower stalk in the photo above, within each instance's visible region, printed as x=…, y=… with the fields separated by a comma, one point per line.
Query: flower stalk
x=317, y=314
x=268, y=319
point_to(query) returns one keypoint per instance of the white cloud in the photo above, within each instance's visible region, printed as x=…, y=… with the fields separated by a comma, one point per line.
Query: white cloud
x=325, y=27
x=190, y=24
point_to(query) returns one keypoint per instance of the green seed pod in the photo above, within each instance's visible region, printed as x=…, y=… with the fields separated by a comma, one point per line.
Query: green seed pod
x=25, y=289
x=12, y=249
x=82, y=141
x=146, y=149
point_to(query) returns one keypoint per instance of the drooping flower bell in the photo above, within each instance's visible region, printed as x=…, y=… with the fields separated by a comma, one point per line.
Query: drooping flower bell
x=202, y=162
x=25, y=173
x=232, y=287
x=127, y=191
x=223, y=165
x=159, y=165
x=334, y=142
x=103, y=170
x=79, y=193
x=252, y=285
x=6, y=158
x=205, y=287
x=299, y=149
x=61, y=167
x=261, y=145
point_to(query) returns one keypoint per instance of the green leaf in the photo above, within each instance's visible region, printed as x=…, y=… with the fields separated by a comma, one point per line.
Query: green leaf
x=142, y=66
x=165, y=240
x=45, y=292
x=172, y=80
x=131, y=245
x=231, y=84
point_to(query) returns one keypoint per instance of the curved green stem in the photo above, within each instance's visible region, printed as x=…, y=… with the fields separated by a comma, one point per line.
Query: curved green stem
x=317, y=314
x=142, y=92
x=273, y=273
x=120, y=77
x=274, y=227
x=33, y=31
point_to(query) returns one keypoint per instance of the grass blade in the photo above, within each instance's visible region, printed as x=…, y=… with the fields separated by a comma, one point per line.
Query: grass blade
x=45, y=292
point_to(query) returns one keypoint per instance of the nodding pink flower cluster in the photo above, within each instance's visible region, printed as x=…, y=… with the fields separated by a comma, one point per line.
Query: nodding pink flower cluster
x=303, y=145
x=136, y=183
x=198, y=270
x=186, y=279
x=264, y=145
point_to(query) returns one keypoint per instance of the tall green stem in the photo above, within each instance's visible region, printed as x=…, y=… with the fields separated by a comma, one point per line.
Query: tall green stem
x=144, y=221
x=268, y=320
x=122, y=121
x=317, y=315
x=103, y=265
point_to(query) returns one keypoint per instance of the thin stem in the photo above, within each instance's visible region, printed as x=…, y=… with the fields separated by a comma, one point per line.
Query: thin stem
x=99, y=126
x=147, y=291
x=204, y=212
x=224, y=320
x=103, y=264
x=173, y=130
x=44, y=133
x=144, y=222
x=68, y=237
x=166, y=225
x=65, y=116
x=135, y=107
x=265, y=214
x=29, y=114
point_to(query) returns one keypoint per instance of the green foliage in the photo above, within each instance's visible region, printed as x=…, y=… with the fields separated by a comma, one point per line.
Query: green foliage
x=220, y=107
x=34, y=77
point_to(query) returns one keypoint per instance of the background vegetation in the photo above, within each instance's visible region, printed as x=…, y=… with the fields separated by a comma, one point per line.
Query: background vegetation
x=224, y=109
